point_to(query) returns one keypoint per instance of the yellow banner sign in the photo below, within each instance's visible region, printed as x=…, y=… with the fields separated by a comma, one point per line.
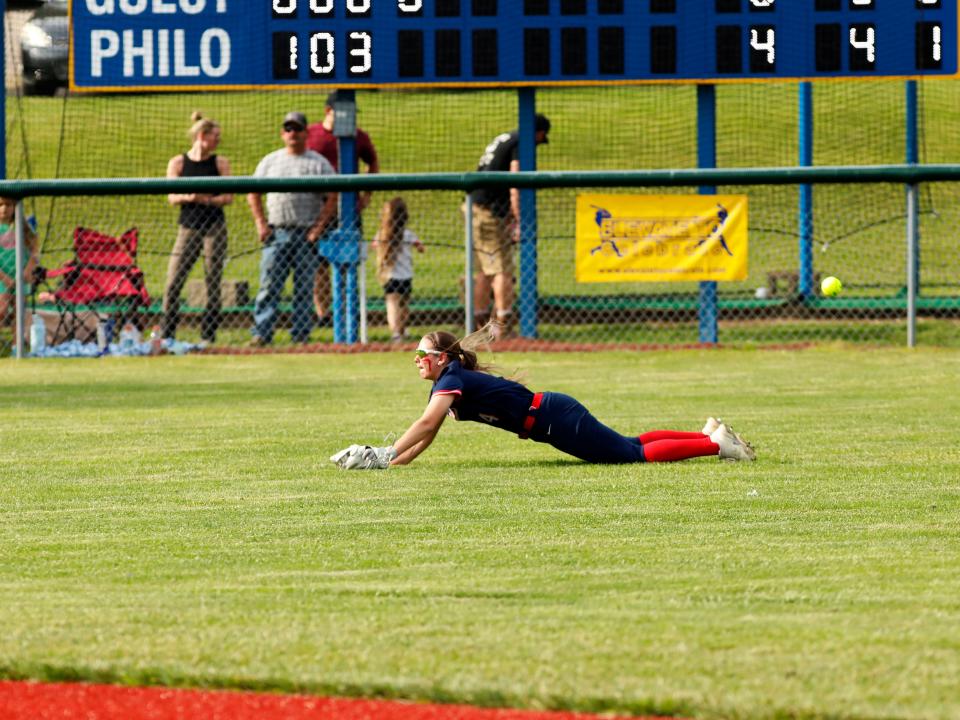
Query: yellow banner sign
x=633, y=238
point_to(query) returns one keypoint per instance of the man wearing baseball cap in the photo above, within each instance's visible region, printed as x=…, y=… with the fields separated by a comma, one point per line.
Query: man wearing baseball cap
x=289, y=229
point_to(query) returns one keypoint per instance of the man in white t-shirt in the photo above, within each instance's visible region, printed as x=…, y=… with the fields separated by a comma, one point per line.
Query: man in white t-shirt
x=289, y=230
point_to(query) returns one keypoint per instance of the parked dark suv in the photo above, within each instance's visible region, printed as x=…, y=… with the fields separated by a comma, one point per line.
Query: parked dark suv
x=44, y=48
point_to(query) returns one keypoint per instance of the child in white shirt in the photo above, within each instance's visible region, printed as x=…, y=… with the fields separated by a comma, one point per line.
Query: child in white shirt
x=394, y=243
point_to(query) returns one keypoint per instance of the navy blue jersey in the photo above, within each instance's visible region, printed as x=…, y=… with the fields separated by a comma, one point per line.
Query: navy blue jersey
x=484, y=398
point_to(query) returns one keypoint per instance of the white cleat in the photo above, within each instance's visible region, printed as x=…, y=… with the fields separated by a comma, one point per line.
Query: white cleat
x=743, y=442
x=711, y=425
x=731, y=448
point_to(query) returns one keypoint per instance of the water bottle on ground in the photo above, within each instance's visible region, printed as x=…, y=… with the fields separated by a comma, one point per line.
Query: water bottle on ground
x=104, y=334
x=101, y=336
x=156, y=342
x=129, y=338
x=38, y=334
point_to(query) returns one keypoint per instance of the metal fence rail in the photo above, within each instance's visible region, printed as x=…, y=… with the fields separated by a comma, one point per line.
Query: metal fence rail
x=688, y=177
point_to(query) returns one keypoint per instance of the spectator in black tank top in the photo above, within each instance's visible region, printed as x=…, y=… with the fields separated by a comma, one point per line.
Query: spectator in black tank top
x=202, y=227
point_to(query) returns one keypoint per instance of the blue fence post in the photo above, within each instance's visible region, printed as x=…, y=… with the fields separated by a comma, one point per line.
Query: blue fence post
x=707, y=158
x=805, y=283
x=913, y=157
x=912, y=152
x=343, y=259
x=529, y=295
x=336, y=289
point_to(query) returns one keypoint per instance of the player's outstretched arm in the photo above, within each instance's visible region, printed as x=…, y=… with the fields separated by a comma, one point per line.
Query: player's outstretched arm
x=421, y=433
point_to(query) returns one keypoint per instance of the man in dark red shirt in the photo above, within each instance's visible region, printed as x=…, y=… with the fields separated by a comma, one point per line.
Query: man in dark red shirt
x=320, y=138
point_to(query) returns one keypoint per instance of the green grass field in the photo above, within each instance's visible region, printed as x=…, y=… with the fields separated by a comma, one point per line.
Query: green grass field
x=176, y=521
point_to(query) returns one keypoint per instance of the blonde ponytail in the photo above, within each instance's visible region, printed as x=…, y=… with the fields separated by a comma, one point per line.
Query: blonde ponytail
x=200, y=125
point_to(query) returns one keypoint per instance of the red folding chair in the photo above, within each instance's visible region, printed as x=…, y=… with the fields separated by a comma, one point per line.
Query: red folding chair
x=102, y=277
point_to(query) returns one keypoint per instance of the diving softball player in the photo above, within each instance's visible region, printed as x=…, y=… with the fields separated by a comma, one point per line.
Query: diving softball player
x=465, y=390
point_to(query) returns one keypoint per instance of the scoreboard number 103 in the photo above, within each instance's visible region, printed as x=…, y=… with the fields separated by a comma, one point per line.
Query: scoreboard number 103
x=321, y=53
x=321, y=49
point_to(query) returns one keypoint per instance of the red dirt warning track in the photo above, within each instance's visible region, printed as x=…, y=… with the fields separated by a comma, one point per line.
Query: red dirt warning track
x=79, y=701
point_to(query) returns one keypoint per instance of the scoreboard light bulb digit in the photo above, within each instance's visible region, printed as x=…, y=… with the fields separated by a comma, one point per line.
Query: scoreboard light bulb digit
x=362, y=52
x=316, y=51
x=936, y=43
x=863, y=3
x=869, y=44
x=769, y=44
x=410, y=6
x=762, y=3
x=358, y=7
x=321, y=7
x=285, y=7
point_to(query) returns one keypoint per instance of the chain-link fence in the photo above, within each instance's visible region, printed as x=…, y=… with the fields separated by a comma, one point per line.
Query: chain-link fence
x=213, y=277
x=857, y=230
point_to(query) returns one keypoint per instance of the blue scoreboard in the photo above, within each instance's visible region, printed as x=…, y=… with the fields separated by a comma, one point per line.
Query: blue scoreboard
x=193, y=44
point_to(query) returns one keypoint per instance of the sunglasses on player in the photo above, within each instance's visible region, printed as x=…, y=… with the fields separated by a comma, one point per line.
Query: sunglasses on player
x=421, y=354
